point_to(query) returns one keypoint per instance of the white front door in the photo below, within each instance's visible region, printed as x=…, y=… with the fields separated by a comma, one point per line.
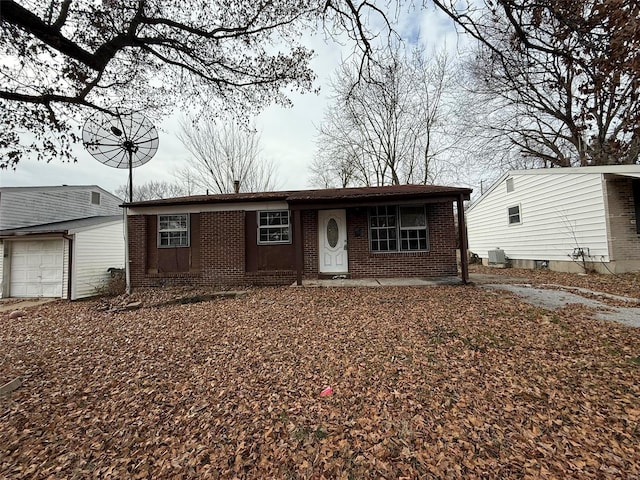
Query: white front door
x=36, y=268
x=332, y=238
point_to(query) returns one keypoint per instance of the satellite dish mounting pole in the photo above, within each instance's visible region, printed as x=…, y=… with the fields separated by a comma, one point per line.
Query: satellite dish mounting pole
x=130, y=149
x=127, y=268
x=123, y=140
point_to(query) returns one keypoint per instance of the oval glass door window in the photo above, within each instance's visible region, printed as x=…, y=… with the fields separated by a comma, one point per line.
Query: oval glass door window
x=332, y=232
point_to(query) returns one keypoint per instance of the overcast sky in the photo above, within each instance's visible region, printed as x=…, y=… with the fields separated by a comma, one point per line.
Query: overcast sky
x=287, y=134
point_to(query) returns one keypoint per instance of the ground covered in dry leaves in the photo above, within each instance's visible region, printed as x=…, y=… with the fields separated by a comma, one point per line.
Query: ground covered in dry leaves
x=626, y=284
x=439, y=382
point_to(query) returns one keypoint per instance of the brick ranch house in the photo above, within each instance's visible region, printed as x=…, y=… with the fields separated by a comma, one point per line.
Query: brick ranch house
x=276, y=238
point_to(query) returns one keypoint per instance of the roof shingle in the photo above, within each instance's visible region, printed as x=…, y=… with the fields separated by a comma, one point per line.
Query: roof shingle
x=305, y=196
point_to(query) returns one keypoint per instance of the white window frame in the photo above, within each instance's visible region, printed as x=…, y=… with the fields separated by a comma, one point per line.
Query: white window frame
x=97, y=196
x=398, y=229
x=263, y=215
x=380, y=228
x=510, y=185
x=187, y=230
x=509, y=215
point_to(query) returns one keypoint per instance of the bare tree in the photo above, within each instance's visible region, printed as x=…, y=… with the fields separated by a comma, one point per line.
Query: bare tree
x=154, y=189
x=63, y=59
x=390, y=129
x=558, y=83
x=332, y=167
x=223, y=153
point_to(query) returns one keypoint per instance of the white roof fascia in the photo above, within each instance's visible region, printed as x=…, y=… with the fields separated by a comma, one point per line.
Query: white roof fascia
x=214, y=207
x=616, y=169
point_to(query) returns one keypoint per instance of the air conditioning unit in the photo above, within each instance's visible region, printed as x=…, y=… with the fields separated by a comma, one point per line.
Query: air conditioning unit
x=497, y=256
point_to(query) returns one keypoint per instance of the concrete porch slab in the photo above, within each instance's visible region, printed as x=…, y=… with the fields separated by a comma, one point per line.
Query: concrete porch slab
x=380, y=282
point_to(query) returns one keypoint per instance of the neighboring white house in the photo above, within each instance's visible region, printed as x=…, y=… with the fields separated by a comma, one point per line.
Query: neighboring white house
x=26, y=206
x=567, y=219
x=62, y=257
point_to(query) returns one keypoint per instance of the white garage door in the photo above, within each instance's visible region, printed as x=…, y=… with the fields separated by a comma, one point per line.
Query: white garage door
x=36, y=268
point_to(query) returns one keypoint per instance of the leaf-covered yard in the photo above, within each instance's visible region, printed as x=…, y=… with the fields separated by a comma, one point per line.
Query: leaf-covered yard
x=439, y=382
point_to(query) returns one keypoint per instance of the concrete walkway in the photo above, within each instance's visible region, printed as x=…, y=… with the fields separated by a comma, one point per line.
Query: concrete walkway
x=474, y=278
x=13, y=304
x=380, y=282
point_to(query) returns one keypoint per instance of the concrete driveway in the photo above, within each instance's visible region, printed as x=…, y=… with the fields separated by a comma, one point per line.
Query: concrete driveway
x=13, y=304
x=556, y=296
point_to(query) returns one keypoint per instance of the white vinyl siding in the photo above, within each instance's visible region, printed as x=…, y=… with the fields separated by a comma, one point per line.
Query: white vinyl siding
x=26, y=206
x=95, y=250
x=65, y=267
x=563, y=211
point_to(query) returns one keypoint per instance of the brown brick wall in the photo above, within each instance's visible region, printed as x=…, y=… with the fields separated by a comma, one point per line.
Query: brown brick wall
x=310, y=246
x=222, y=247
x=137, y=232
x=139, y=236
x=439, y=260
x=222, y=251
x=624, y=241
x=222, y=255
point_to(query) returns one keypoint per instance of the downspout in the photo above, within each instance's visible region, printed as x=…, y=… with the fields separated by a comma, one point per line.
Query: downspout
x=70, y=267
x=6, y=267
x=462, y=240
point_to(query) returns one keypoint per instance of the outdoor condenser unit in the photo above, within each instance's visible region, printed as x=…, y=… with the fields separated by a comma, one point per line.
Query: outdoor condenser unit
x=497, y=256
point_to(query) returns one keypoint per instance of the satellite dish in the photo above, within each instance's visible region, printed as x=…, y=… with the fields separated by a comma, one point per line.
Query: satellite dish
x=123, y=140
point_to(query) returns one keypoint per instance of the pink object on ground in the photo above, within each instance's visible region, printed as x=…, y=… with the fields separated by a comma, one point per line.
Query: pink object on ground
x=326, y=392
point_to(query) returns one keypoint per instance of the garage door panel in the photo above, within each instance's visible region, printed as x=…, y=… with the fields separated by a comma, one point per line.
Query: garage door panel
x=36, y=268
x=51, y=274
x=18, y=276
x=18, y=289
x=51, y=261
x=19, y=247
x=18, y=259
x=34, y=259
x=33, y=290
x=32, y=275
x=51, y=290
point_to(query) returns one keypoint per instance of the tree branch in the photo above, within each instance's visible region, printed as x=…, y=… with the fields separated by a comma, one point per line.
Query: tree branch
x=22, y=18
